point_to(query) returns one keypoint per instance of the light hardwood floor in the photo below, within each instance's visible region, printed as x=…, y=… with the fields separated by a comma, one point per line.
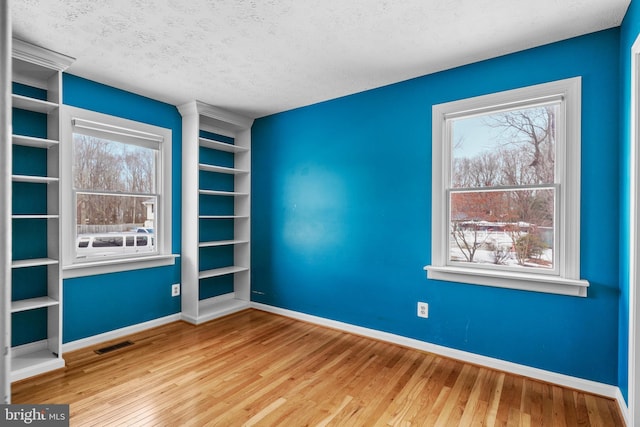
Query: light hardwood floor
x=256, y=368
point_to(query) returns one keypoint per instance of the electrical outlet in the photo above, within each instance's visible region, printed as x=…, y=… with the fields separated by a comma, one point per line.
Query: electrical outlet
x=175, y=290
x=423, y=309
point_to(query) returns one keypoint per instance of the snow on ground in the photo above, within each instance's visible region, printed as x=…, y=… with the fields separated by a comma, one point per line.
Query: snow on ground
x=486, y=256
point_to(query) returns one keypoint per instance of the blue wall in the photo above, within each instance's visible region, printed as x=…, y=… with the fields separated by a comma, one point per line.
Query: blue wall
x=630, y=30
x=341, y=214
x=97, y=304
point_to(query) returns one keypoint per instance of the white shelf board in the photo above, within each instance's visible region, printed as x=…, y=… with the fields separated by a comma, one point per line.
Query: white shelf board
x=222, y=146
x=32, y=304
x=221, y=243
x=221, y=193
x=29, y=364
x=33, y=262
x=35, y=216
x=214, y=307
x=34, y=179
x=31, y=141
x=223, y=216
x=220, y=169
x=32, y=104
x=221, y=271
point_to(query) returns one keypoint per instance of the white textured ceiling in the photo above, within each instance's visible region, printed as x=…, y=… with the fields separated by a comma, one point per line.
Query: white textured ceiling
x=258, y=57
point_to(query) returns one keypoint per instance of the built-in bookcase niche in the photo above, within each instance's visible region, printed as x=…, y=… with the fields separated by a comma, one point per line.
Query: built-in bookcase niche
x=215, y=212
x=36, y=280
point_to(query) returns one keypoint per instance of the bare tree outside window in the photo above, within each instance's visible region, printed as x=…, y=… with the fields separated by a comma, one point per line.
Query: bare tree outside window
x=502, y=195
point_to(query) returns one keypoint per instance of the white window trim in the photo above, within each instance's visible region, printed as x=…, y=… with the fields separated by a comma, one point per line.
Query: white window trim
x=103, y=122
x=567, y=281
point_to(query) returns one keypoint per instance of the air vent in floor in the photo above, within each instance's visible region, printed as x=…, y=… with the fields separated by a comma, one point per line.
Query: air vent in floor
x=114, y=347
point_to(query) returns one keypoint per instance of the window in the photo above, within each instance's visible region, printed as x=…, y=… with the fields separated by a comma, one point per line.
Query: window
x=506, y=190
x=116, y=188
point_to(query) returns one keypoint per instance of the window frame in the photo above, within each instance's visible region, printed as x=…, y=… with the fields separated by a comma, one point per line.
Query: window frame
x=98, y=124
x=567, y=280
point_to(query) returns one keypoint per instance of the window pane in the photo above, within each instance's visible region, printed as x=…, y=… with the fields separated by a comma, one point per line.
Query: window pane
x=515, y=147
x=513, y=228
x=102, y=217
x=107, y=242
x=101, y=164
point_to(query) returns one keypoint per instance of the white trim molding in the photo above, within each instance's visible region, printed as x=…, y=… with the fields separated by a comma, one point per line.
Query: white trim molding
x=116, y=265
x=624, y=409
x=510, y=280
x=219, y=121
x=633, y=364
x=40, y=56
x=588, y=386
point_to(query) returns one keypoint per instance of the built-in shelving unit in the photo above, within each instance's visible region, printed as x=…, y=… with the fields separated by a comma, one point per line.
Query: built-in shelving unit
x=36, y=288
x=216, y=184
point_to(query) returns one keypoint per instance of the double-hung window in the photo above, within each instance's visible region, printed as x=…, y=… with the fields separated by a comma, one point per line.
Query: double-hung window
x=116, y=199
x=506, y=189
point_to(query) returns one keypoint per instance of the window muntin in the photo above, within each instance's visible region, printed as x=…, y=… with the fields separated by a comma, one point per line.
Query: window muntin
x=502, y=190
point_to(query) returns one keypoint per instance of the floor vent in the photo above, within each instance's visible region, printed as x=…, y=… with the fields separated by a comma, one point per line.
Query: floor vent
x=114, y=347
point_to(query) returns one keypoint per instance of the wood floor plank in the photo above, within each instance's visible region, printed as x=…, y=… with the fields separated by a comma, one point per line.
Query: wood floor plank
x=259, y=369
x=472, y=406
x=569, y=408
x=496, y=397
x=403, y=408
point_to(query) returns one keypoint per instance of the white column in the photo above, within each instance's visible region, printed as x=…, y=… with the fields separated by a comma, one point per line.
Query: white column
x=5, y=201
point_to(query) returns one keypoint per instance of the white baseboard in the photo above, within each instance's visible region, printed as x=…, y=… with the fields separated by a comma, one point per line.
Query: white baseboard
x=594, y=387
x=624, y=409
x=111, y=335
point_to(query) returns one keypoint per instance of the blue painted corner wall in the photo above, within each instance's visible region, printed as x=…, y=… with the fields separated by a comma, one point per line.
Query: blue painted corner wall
x=341, y=214
x=98, y=304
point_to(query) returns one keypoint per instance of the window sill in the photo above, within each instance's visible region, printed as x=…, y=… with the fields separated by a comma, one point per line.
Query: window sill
x=511, y=280
x=92, y=268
